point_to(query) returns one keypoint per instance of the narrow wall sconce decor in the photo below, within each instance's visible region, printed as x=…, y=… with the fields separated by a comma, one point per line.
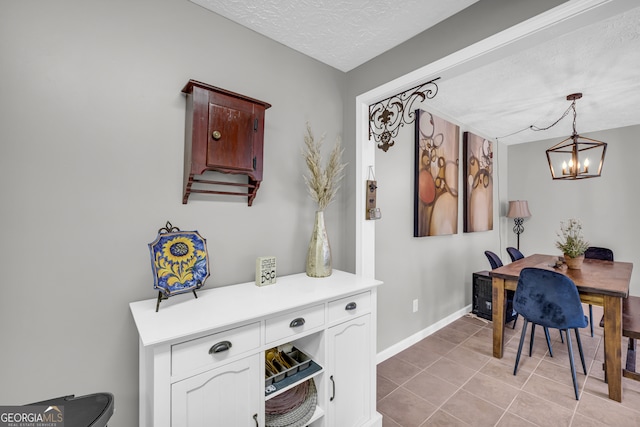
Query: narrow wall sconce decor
x=373, y=212
x=576, y=157
x=518, y=210
x=386, y=117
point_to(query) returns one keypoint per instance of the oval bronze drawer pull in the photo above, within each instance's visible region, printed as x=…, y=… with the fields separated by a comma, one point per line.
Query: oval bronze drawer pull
x=220, y=347
x=296, y=322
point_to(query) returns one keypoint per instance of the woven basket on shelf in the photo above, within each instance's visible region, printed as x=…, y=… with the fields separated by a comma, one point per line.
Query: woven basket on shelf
x=293, y=408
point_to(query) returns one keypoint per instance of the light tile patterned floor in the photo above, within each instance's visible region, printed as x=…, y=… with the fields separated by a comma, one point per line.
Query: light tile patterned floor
x=451, y=379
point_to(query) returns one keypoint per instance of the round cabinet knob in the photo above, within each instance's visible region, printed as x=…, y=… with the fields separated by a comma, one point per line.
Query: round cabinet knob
x=216, y=135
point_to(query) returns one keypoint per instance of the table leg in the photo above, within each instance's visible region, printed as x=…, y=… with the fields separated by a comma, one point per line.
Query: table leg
x=499, y=309
x=613, y=345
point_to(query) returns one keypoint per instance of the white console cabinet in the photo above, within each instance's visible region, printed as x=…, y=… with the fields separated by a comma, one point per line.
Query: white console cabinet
x=202, y=360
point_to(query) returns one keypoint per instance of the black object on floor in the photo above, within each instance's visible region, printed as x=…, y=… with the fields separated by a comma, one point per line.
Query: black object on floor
x=91, y=410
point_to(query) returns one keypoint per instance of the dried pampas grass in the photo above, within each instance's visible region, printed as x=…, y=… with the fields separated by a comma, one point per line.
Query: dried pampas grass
x=322, y=184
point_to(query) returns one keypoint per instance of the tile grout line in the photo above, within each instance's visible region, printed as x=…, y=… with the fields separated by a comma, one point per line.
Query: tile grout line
x=482, y=330
x=439, y=407
x=460, y=388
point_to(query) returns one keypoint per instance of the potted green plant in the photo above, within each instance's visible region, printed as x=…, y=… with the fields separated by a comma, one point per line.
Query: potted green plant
x=572, y=243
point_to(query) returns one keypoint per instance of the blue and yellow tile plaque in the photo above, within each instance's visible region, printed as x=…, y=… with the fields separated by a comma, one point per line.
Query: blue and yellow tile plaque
x=179, y=260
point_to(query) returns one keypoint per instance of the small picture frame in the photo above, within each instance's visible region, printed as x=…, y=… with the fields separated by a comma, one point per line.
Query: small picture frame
x=265, y=270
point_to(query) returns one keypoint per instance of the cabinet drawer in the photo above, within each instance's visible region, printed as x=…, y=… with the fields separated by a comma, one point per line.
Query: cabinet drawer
x=289, y=325
x=349, y=307
x=212, y=349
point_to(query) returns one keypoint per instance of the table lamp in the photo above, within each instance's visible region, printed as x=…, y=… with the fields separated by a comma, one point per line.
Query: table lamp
x=518, y=210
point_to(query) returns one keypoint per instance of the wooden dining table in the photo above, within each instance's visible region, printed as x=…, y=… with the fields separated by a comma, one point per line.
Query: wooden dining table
x=603, y=283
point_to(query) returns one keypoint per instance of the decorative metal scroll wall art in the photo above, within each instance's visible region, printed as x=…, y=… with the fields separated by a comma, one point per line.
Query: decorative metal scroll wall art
x=386, y=117
x=572, y=157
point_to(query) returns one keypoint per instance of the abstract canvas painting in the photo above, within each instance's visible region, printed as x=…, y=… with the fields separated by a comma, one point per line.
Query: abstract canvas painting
x=478, y=186
x=436, y=176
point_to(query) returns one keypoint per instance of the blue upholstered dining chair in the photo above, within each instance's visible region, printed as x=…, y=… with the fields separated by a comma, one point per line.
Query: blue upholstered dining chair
x=595, y=252
x=514, y=253
x=496, y=262
x=550, y=299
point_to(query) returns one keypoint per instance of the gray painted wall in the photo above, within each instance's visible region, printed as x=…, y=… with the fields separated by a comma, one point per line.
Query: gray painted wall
x=435, y=270
x=606, y=205
x=91, y=151
x=91, y=163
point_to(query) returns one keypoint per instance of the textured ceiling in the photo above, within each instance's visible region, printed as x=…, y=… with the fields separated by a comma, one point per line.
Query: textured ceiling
x=601, y=60
x=343, y=34
x=597, y=55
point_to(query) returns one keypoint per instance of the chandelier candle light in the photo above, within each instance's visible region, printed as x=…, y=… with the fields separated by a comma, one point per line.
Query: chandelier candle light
x=570, y=156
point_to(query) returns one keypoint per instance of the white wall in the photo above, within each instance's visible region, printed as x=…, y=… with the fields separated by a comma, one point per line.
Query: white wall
x=606, y=205
x=91, y=158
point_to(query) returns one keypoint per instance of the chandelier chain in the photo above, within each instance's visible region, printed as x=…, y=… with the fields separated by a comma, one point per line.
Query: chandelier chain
x=572, y=106
x=537, y=128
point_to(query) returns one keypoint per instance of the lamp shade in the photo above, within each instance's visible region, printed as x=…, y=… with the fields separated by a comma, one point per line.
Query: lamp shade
x=518, y=209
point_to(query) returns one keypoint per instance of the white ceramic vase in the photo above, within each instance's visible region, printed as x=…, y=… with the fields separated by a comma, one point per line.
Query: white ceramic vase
x=319, y=253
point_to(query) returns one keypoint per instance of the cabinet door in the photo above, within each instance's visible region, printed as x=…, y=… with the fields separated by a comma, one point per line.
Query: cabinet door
x=350, y=370
x=223, y=397
x=232, y=130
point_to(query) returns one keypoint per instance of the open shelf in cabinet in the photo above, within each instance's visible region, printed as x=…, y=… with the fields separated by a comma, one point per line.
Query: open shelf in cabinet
x=308, y=352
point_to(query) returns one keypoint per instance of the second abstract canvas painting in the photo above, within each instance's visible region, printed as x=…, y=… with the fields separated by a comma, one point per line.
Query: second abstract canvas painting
x=478, y=186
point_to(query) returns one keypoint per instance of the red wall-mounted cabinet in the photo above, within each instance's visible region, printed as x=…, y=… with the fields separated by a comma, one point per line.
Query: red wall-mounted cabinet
x=225, y=134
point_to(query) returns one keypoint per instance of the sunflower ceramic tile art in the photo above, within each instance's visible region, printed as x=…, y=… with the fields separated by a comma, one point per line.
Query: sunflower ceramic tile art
x=179, y=260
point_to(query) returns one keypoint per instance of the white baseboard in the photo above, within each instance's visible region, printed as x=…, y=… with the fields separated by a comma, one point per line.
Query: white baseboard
x=409, y=341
